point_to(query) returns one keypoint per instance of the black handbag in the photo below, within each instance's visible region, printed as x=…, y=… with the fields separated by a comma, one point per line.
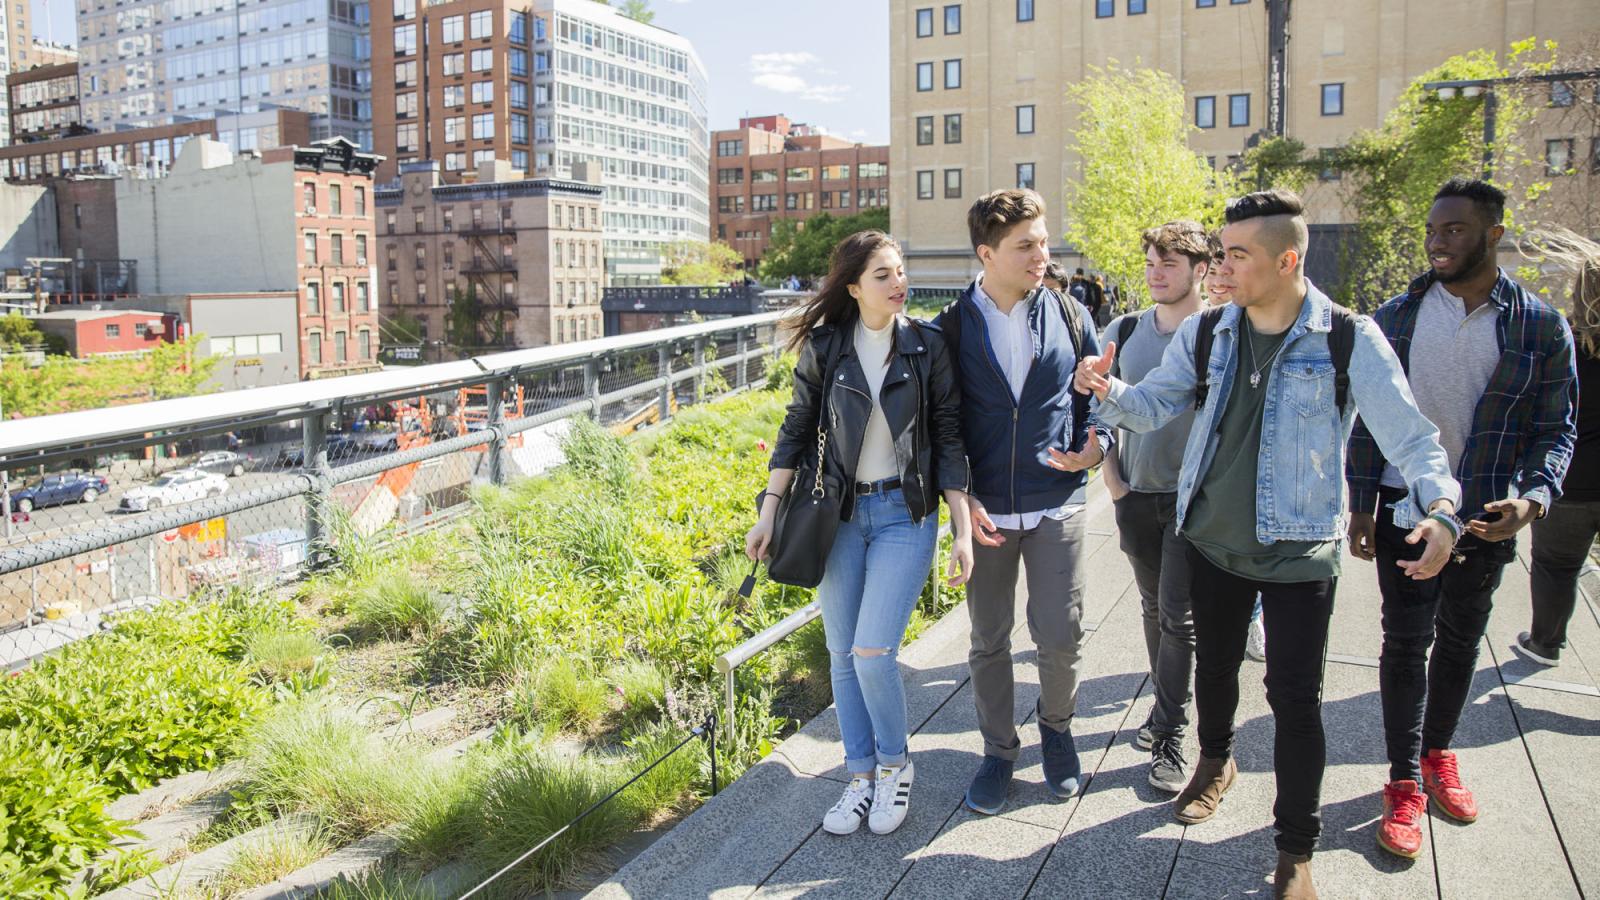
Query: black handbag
x=808, y=513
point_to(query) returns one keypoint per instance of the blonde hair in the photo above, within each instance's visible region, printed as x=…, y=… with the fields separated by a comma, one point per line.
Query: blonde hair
x=1579, y=257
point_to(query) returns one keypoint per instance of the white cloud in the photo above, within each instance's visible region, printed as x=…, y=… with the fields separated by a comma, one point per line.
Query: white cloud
x=781, y=72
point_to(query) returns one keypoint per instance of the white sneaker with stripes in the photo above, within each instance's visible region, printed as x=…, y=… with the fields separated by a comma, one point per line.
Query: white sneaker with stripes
x=891, y=798
x=847, y=814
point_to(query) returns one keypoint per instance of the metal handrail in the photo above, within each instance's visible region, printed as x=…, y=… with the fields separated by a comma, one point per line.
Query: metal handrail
x=759, y=642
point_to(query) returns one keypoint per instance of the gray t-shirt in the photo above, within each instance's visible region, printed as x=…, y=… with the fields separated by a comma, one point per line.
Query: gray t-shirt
x=1453, y=356
x=1148, y=462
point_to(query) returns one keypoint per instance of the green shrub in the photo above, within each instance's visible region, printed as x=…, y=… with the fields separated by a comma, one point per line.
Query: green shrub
x=266, y=860
x=280, y=655
x=661, y=788
x=134, y=711
x=378, y=886
x=561, y=693
x=118, y=869
x=397, y=604
x=641, y=685
x=220, y=624
x=52, y=816
x=595, y=454
x=780, y=374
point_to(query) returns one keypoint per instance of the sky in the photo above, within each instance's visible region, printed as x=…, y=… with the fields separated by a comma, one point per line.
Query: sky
x=822, y=62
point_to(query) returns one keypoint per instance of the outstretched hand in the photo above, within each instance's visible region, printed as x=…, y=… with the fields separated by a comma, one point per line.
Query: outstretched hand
x=1093, y=375
x=1078, y=460
x=1438, y=543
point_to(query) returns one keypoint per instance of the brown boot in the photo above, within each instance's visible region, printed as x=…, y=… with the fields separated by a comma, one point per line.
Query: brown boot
x=1292, y=881
x=1199, y=801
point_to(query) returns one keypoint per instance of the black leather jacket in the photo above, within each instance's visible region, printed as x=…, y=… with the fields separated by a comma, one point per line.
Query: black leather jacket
x=921, y=400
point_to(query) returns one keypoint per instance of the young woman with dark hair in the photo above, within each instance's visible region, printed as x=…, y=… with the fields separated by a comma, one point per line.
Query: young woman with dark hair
x=890, y=414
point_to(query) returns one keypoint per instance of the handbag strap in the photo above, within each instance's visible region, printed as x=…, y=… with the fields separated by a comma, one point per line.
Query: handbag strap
x=835, y=346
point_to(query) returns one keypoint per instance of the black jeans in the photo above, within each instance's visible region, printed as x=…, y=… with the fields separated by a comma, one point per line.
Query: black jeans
x=1561, y=542
x=1422, y=697
x=1296, y=619
x=1146, y=524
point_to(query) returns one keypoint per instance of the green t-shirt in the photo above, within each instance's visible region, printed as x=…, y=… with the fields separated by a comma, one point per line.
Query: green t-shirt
x=1221, y=520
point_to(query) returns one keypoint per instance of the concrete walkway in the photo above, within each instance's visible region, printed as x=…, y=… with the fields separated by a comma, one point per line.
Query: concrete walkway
x=1529, y=744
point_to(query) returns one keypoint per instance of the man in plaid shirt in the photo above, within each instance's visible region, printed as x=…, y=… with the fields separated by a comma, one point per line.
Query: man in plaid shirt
x=1492, y=367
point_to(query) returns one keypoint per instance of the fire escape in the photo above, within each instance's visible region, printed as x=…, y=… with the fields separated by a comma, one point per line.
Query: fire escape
x=492, y=244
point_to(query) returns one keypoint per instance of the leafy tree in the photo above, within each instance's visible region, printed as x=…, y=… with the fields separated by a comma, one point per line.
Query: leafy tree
x=18, y=332
x=638, y=10
x=1391, y=172
x=65, y=384
x=1135, y=170
x=401, y=327
x=699, y=263
x=802, y=248
x=461, y=325
x=1278, y=162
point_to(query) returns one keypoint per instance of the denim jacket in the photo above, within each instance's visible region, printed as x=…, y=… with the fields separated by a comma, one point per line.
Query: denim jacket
x=1299, y=491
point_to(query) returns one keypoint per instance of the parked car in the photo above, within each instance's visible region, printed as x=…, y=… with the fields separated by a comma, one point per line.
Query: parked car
x=54, y=490
x=339, y=447
x=179, y=486
x=224, y=462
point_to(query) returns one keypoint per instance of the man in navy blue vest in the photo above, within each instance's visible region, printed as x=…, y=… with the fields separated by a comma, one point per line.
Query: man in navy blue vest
x=1016, y=345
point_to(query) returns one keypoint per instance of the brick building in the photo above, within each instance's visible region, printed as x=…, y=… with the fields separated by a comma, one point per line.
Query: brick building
x=528, y=251
x=93, y=332
x=770, y=168
x=288, y=219
x=154, y=147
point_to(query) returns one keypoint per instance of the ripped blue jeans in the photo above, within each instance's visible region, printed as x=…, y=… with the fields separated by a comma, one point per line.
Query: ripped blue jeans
x=879, y=563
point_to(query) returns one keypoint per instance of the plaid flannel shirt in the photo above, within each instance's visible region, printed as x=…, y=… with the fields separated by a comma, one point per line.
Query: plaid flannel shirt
x=1524, y=427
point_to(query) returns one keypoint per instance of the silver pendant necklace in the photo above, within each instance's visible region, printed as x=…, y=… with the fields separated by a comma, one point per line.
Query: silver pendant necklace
x=1250, y=335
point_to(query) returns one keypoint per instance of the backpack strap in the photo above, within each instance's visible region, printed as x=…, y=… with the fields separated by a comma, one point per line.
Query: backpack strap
x=1209, y=317
x=1073, y=314
x=1125, y=329
x=1341, y=344
x=951, y=314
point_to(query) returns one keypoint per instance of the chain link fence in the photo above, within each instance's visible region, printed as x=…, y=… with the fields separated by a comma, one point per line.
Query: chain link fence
x=113, y=509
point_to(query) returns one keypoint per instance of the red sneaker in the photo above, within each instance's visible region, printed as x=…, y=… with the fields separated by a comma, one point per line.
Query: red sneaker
x=1442, y=780
x=1400, y=830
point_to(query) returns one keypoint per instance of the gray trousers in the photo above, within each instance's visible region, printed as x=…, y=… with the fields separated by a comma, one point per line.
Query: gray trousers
x=1053, y=554
x=1146, y=525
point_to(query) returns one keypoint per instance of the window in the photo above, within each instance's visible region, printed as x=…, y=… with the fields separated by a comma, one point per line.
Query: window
x=364, y=341
x=730, y=176
x=449, y=255
x=483, y=92
x=417, y=220
x=314, y=298
x=924, y=130
x=482, y=23
x=872, y=170
x=952, y=128
x=1025, y=119
x=519, y=95
x=336, y=249
x=1135, y=7
x=316, y=348
x=730, y=204
x=361, y=249
x=805, y=200
x=730, y=148
x=361, y=200
x=405, y=137
x=454, y=63
x=1560, y=93
x=799, y=173
x=1558, y=156
x=1205, y=112
x=405, y=105
x=1025, y=175
x=519, y=128
x=519, y=28
x=340, y=352
x=392, y=254
x=405, y=40
x=113, y=331
x=952, y=74
x=1327, y=171
x=763, y=202
x=338, y=298
x=422, y=293
x=1204, y=4
x=483, y=126
x=311, y=248
x=388, y=222
x=925, y=22
x=455, y=95
x=952, y=19
x=925, y=184
x=1105, y=9
x=1333, y=99
x=403, y=9
x=952, y=184
x=308, y=194
x=762, y=176
x=1238, y=110
x=925, y=76
x=455, y=161
x=1237, y=2
x=420, y=253
x=335, y=200
x=1024, y=10
x=482, y=60
x=451, y=27
x=479, y=157
x=518, y=62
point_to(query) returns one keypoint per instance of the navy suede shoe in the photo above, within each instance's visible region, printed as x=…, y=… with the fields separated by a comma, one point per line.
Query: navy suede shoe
x=1061, y=766
x=987, y=794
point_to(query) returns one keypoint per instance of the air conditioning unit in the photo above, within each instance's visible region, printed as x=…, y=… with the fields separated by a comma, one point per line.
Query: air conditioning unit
x=361, y=260
x=311, y=210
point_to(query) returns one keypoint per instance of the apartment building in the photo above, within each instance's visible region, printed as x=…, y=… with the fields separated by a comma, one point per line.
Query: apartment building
x=770, y=168
x=547, y=88
x=527, y=251
x=288, y=219
x=153, y=148
x=156, y=62
x=977, y=100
